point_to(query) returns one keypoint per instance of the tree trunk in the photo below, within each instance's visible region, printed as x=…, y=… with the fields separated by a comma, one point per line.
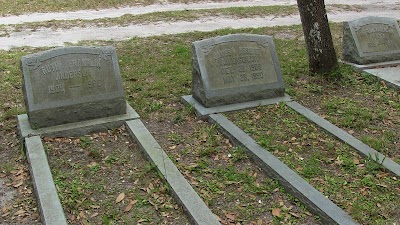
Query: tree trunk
x=321, y=53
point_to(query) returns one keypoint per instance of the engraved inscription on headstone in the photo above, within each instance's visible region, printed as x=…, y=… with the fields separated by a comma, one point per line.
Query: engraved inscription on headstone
x=235, y=68
x=370, y=40
x=234, y=64
x=72, y=84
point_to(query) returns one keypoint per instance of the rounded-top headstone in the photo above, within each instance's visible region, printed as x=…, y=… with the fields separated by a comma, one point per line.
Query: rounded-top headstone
x=235, y=68
x=72, y=84
x=371, y=40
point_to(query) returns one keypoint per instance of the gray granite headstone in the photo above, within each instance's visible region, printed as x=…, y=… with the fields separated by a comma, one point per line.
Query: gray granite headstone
x=235, y=68
x=72, y=84
x=371, y=40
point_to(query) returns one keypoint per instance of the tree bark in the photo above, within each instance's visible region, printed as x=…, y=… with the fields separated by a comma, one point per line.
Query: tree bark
x=321, y=53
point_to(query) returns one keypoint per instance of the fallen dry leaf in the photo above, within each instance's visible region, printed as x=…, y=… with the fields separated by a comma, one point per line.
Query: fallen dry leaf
x=230, y=216
x=81, y=215
x=19, y=212
x=294, y=214
x=151, y=186
x=120, y=197
x=130, y=205
x=276, y=212
x=382, y=175
x=18, y=184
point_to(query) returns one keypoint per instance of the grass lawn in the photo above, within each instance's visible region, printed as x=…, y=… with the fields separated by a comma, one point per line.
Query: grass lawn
x=93, y=171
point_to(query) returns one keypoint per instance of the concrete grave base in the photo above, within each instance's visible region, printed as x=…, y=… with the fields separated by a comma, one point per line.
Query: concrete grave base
x=202, y=111
x=373, y=65
x=390, y=75
x=78, y=128
x=388, y=72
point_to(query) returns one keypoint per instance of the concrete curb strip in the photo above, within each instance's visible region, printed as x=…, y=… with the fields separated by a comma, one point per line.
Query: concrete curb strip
x=347, y=138
x=51, y=211
x=197, y=210
x=78, y=128
x=293, y=183
x=202, y=111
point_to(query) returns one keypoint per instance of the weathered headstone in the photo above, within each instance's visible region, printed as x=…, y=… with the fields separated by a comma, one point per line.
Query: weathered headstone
x=235, y=68
x=371, y=40
x=72, y=84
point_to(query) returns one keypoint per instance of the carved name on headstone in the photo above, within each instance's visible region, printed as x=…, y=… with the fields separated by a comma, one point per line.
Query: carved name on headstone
x=371, y=40
x=235, y=68
x=72, y=84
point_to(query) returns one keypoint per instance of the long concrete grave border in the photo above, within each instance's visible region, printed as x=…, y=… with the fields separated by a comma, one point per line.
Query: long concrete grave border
x=183, y=192
x=50, y=208
x=347, y=138
x=293, y=183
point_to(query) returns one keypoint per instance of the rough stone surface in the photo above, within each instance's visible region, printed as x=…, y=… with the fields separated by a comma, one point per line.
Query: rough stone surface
x=235, y=68
x=72, y=84
x=371, y=40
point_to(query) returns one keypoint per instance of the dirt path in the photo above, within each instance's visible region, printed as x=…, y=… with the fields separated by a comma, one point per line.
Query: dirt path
x=117, y=12
x=43, y=37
